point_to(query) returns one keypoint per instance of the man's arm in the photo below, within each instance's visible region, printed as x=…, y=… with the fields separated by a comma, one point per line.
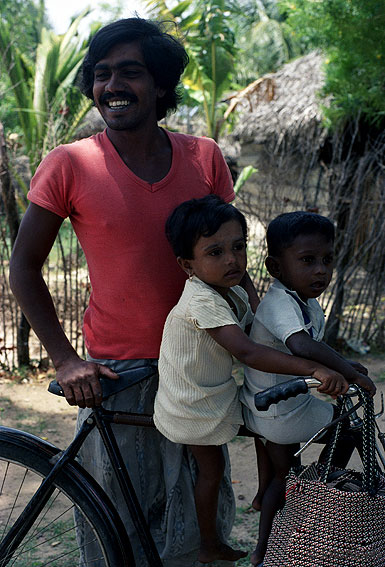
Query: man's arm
x=301, y=344
x=37, y=233
x=248, y=286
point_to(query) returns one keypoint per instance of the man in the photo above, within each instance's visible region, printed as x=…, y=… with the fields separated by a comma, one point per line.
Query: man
x=118, y=188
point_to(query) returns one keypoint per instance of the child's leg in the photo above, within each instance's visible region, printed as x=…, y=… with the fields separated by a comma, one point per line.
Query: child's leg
x=265, y=472
x=211, y=464
x=282, y=459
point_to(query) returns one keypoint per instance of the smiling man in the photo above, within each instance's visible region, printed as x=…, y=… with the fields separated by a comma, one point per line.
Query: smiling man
x=118, y=188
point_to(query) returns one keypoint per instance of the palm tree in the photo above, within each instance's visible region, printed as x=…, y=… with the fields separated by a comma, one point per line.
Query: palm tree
x=265, y=40
x=210, y=42
x=48, y=105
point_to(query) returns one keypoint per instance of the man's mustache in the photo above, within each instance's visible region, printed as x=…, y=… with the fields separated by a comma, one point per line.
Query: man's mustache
x=119, y=95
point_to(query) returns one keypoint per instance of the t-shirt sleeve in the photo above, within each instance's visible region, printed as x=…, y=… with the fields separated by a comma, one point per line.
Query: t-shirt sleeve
x=51, y=185
x=209, y=312
x=282, y=316
x=223, y=183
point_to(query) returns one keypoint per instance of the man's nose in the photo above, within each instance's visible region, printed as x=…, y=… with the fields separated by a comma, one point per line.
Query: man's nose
x=113, y=83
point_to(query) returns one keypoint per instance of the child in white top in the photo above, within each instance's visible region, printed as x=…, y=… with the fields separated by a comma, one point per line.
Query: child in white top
x=197, y=402
x=290, y=319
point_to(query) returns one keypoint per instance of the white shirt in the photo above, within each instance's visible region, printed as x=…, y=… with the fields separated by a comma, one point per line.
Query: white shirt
x=278, y=316
x=197, y=401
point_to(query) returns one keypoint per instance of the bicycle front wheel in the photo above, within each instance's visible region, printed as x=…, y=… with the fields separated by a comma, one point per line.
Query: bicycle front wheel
x=52, y=540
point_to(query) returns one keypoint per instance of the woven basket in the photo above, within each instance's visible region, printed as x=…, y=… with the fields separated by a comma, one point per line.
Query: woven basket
x=321, y=526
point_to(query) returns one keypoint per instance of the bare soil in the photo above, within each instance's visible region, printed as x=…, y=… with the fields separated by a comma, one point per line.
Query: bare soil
x=27, y=405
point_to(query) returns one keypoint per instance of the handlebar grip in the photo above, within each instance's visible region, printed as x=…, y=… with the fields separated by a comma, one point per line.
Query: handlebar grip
x=263, y=400
x=54, y=388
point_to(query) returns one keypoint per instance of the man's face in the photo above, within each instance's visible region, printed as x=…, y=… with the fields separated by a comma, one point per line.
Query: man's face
x=124, y=91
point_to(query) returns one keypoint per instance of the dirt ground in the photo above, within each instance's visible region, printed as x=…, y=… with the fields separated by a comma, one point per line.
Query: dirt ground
x=29, y=406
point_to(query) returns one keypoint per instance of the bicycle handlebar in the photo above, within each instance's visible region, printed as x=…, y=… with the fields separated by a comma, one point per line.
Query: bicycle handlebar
x=54, y=388
x=263, y=400
x=127, y=378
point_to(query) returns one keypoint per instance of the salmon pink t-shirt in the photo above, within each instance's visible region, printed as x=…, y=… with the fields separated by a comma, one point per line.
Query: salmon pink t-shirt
x=119, y=220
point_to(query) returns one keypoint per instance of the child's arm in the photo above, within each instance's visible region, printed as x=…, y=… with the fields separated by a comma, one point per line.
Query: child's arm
x=301, y=344
x=260, y=357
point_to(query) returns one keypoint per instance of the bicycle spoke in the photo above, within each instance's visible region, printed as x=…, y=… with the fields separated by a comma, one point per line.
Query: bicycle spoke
x=54, y=529
x=18, y=492
x=36, y=532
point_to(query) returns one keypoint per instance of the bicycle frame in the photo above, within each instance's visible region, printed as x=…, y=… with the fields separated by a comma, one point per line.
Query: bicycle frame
x=102, y=420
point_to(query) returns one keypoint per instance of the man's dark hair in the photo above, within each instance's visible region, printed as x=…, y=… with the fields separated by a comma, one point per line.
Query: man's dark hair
x=199, y=217
x=164, y=55
x=283, y=230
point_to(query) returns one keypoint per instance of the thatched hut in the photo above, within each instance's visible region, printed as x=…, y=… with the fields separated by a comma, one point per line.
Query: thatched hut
x=280, y=131
x=279, y=121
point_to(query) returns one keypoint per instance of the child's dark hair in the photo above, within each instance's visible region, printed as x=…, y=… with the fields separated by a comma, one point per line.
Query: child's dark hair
x=282, y=231
x=199, y=217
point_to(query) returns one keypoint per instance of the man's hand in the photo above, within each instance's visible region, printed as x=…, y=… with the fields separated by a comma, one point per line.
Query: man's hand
x=80, y=382
x=332, y=382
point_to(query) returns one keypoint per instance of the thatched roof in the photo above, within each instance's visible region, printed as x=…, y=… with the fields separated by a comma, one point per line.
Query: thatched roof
x=286, y=103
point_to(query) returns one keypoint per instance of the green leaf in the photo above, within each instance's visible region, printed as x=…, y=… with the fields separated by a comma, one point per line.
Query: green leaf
x=245, y=174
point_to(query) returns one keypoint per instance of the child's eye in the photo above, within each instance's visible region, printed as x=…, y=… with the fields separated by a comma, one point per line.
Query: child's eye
x=328, y=260
x=307, y=259
x=240, y=246
x=215, y=252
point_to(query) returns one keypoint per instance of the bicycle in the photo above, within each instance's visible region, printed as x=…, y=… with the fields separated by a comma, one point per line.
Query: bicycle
x=41, y=486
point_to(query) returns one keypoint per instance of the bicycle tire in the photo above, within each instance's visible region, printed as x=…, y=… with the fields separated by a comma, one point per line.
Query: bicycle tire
x=24, y=460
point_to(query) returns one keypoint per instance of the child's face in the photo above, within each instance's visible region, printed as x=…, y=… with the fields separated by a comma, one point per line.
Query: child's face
x=219, y=260
x=307, y=265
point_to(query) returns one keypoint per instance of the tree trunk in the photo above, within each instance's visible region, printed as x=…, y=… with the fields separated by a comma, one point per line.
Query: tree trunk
x=7, y=191
x=12, y=216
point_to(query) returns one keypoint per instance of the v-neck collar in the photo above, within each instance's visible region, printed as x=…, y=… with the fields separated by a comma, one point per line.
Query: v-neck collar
x=151, y=187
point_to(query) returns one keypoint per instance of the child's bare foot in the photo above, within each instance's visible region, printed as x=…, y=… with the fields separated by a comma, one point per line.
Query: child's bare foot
x=219, y=551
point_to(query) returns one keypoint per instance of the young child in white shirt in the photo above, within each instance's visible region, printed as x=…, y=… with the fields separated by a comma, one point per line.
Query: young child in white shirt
x=290, y=319
x=197, y=402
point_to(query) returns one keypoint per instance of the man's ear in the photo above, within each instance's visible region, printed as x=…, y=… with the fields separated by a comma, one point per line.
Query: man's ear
x=185, y=265
x=273, y=266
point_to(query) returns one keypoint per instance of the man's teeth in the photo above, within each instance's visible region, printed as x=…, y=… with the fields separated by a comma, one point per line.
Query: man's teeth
x=115, y=103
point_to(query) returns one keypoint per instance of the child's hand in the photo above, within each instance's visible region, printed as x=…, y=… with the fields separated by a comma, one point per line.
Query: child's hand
x=358, y=367
x=332, y=382
x=366, y=383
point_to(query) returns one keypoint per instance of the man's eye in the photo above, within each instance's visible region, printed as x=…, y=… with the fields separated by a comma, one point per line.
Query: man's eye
x=130, y=73
x=101, y=76
x=240, y=246
x=307, y=259
x=328, y=260
x=216, y=252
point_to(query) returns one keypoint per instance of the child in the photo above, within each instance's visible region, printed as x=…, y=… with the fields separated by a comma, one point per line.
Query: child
x=289, y=318
x=197, y=403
